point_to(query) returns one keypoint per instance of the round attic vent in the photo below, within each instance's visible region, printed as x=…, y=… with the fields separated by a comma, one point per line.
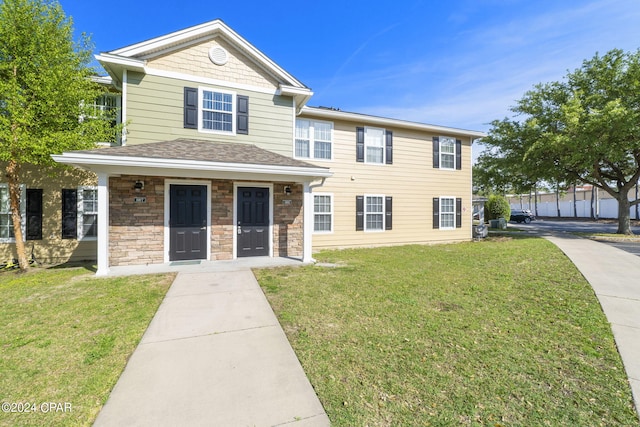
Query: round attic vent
x=218, y=55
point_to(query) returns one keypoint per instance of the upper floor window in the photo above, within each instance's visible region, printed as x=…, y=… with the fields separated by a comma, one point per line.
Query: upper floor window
x=314, y=139
x=374, y=145
x=216, y=111
x=447, y=153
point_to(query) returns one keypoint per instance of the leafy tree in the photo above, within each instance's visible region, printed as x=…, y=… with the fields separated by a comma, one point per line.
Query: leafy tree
x=585, y=129
x=497, y=206
x=45, y=80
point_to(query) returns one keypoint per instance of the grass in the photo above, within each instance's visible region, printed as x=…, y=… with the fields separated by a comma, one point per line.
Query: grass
x=66, y=337
x=504, y=332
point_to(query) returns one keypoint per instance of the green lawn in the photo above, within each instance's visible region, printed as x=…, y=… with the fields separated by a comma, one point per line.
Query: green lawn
x=65, y=338
x=504, y=332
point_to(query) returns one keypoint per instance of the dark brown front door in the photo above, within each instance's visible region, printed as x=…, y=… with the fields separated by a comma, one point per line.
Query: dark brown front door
x=253, y=221
x=188, y=222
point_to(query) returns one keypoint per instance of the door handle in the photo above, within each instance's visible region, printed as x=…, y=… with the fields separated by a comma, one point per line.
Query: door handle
x=239, y=230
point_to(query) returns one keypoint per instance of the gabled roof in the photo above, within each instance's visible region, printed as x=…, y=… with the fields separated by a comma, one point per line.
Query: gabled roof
x=135, y=56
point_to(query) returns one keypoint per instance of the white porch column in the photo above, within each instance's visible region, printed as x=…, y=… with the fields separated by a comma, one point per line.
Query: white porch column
x=103, y=224
x=307, y=206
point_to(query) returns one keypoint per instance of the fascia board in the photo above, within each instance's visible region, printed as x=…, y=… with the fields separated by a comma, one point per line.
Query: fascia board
x=383, y=121
x=129, y=63
x=91, y=161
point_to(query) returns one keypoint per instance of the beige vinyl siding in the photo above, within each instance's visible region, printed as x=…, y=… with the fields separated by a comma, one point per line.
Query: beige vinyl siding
x=155, y=113
x=53, y=248
x=412, y=182
x=195, y=61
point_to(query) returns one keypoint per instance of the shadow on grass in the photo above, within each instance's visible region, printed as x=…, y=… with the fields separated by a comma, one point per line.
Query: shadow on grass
x=87, y=265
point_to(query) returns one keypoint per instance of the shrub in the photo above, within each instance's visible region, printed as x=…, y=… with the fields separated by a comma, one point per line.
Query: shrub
x=497, y=207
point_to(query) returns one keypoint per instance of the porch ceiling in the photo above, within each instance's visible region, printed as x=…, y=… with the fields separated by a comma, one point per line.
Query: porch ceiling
x=190, y=158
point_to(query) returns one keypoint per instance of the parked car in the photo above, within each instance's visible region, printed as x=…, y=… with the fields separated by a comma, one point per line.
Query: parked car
x=521, y=215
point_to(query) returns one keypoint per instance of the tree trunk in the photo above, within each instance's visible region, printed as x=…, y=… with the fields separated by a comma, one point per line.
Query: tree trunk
x=624, y=225
x=575, y=204
x=558, y=201
x=14, y=198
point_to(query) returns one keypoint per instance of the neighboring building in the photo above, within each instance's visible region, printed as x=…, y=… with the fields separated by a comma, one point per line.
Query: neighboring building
x=221, y=158
x=583, y=201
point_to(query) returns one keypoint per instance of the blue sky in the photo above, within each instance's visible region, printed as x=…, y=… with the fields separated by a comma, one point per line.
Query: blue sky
x=458, y=63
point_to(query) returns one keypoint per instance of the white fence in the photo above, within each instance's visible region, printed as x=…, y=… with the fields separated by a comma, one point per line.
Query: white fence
x=604, y=208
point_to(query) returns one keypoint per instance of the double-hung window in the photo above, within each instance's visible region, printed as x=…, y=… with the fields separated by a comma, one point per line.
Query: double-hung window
x=216, y=111
x=6, y=222
x=447, y=213
x=314, y=139
x=373, y=212
x=322, y=213
x=374, y=145
x=80, y=213
x=447, y=153
x=87, y=213
x=30, y=213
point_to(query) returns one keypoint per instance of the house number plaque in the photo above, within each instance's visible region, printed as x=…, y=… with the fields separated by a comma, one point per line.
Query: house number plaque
x=140, y=200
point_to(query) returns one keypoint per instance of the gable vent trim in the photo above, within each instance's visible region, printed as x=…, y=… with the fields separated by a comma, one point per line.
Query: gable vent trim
x=218, y=55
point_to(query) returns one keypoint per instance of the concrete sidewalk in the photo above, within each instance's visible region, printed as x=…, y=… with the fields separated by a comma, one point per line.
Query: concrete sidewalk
x=214, y=354
x=615, y=277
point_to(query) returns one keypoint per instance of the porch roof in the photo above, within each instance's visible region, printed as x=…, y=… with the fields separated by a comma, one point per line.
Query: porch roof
x=194, y=158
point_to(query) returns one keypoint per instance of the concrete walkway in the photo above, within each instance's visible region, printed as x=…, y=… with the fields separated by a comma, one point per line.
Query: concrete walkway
x=615, y=277
x=213, y=355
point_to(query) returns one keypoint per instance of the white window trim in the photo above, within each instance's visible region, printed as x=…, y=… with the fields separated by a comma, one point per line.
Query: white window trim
x=23, y=213
x=330, y=195
x=384, y=146
x=201, y=90
x=80, y=213
x=384, y=213
x=441, y=227
x=312, y=141
x=440, y=153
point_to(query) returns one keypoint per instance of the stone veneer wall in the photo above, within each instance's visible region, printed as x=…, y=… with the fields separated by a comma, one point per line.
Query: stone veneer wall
x=221, y=220
x=288, y=221
x=137, y=229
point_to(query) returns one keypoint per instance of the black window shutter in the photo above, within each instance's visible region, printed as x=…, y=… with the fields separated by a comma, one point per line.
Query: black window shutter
x=191, y=108
x=458, y=154
x=359, y=213
x=34, y=214
x=242, y=115
x=436, y=152
x=388, y=213
x=436, y=212
x=458, y=212
x=389, y=147
x=359, y=144
x=69, y=214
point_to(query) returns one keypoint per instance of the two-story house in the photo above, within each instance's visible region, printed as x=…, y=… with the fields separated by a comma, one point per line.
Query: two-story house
x=221, y=158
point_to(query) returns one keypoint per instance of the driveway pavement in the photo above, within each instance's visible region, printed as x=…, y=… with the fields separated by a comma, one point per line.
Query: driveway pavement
x=213, y=355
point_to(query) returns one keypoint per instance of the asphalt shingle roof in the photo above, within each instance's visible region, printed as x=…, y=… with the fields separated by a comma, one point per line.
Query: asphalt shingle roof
x=199, y=150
